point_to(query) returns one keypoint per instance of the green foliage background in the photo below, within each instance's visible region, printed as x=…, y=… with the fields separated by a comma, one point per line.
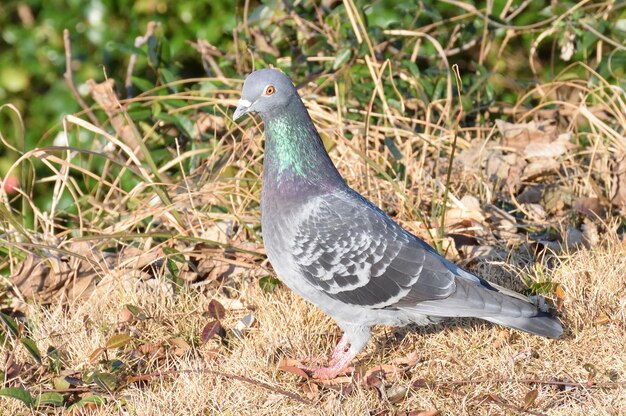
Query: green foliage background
x=273, y=32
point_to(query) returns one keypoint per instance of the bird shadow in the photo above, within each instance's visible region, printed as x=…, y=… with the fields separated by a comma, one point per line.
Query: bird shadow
x=394, y=337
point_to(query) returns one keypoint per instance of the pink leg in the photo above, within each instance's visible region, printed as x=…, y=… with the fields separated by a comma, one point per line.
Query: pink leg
x=338, y=363
x=339, y=350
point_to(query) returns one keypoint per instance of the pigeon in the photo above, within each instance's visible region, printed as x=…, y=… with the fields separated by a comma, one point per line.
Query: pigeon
x=338, y=250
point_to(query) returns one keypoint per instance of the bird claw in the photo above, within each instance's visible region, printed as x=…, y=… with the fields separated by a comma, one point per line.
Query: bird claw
x=325, y=373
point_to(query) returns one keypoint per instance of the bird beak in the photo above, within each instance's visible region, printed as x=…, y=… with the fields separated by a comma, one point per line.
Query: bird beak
x=243, y=106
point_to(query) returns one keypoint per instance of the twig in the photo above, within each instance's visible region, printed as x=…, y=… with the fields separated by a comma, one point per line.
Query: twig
x=139, y=41
x=207, y=53
x=257, y=383
x=496, y=400
x=587, y=384
x=69, y=79
x=145, y=377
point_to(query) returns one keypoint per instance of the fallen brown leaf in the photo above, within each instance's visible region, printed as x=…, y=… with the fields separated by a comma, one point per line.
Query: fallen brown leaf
x=430, y=412
x=294, y=370
x=591, y=207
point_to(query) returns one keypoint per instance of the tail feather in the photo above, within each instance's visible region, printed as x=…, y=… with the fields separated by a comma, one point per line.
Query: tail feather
x=542, y=324
x=476, y=297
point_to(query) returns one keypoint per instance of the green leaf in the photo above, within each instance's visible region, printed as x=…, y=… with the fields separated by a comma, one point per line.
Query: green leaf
x=61, y=383
x=54, y=358
x=93, y=399
x=168, y=78
x=395, y=152
x=11, y=324
x=174, y=254
x=125, y=48
x=118, y=341
x=49, y=399
x=107, y=381
x=32, y=348
x=18, y=393
x=186, y=125
x=342, y=57
x=172, y=267
x=142, y=84
x=137, y=313
x=269, y=283
x=153, y=49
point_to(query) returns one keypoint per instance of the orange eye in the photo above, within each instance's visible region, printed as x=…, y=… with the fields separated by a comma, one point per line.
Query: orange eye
x=269, y=90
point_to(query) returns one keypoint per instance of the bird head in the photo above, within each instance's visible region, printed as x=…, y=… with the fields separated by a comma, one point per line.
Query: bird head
x=264, y=92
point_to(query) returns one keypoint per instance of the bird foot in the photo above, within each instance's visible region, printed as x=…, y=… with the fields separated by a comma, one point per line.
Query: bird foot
x=338, y=364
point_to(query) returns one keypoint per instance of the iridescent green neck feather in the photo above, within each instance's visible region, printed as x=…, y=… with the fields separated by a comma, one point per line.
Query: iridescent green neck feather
x=294, y=152
x=288, y=142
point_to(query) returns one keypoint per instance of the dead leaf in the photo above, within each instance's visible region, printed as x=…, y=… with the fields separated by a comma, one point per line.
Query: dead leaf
x=289, y=362
x=530, y=195
x=126, y=316
x=504, y=224
x=591, y=207
x=74, y=273
x=180, y=346
x=471, y=158
x=95, y=354
x=209, y=123
x=519, y=135
x=590, y=232
x=555, y=198
x=529, y=399
x=210, y=330
x=384, y=369
x=373, y=381
x=104, y=94
x=498, y=166
x=502, y=339
x=152, y=349
x=483, y=253
x=560, y=297
x=396, y=393
x=431, y=412
x=419, y=383
x=337, y=381
x=551, y=149
x=468, y=208
x=408, y=360
x=535, y=212
x=311, y=391
x=619, y=171
x=216, y=310
x=262, y=43
x=514, y=179
x=573, y=238
x=294, y=370
x=540, y=167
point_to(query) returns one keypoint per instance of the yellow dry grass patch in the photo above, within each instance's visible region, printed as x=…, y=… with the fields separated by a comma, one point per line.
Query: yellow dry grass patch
x=462, y=362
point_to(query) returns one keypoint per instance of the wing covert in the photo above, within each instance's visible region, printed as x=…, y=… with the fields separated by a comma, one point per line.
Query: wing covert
x=352, y=251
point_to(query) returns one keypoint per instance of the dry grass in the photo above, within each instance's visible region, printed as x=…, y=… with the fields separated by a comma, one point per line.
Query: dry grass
x=490, y=359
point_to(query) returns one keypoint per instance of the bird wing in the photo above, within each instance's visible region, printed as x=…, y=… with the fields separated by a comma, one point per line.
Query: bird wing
x=352, y=251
